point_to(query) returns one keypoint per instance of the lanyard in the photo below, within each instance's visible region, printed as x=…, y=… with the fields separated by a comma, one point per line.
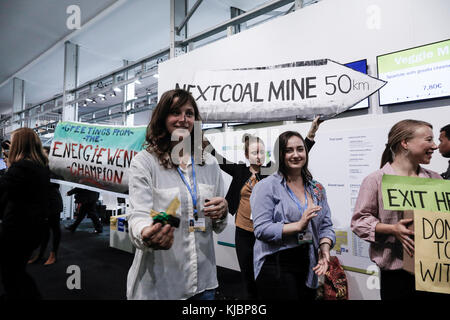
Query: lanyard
x=297, y=201
x=192, y=192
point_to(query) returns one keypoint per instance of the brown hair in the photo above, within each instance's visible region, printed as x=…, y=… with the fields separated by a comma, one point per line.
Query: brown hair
x=249, y=138
x=158, y=138
x=280, y=145
x=403, y=130
x=26, y=145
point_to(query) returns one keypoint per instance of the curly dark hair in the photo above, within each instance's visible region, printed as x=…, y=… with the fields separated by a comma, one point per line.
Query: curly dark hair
x=158, y=138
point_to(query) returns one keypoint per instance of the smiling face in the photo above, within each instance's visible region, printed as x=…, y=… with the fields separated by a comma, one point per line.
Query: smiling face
x=295, y=154
x=180, y=121
x=421, y=146
x=444, y=145
x=256, y=153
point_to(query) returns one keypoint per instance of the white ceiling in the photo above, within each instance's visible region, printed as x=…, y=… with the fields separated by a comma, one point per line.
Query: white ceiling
x=33, y=32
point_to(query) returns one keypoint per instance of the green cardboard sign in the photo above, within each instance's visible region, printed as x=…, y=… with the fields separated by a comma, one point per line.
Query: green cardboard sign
x=413, y=193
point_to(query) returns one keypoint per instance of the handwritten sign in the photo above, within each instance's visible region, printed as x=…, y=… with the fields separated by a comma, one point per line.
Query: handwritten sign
x=300, y=89
x=412, y=193
x=430, y=200
x=95, y=155
x=432, y=251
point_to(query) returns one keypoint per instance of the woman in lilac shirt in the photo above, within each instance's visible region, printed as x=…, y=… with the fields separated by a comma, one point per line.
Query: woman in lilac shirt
x=410, y=143
x=292, y=225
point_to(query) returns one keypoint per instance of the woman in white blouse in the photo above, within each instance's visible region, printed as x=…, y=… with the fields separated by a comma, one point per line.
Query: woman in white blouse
x=175, y=263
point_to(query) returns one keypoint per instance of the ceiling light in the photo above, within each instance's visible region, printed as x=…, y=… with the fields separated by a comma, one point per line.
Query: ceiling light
x=112, y=94
x=156, y=75
x=101, y=95
x=137, y=81
x=103, y=98
x=117, y=89
x=88, y=99
x=84, y=104
x=93, y=101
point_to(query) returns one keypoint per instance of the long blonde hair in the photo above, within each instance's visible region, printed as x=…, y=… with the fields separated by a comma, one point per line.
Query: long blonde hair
x=403, y=130
x=25, y=144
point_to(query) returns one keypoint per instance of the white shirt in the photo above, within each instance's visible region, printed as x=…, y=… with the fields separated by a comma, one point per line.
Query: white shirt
x=189, y=266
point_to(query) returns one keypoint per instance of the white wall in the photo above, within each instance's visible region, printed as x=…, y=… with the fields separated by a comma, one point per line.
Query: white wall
x=342, y=30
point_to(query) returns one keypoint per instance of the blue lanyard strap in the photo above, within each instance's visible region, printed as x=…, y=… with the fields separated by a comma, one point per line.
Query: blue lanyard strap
x=297, y=201
x=193, y=193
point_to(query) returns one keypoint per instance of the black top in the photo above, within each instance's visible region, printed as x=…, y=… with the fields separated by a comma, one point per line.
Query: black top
x=24, y=189
x=446, y=175
x=55, y=199
x=84, y=196
x=240, y=174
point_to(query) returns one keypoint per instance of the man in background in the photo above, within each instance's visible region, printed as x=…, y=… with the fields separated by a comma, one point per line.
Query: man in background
x=444, y=148
x=86, y=201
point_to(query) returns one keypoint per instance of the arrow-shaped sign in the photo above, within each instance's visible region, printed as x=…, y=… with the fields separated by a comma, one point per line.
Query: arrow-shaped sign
x=298, y=90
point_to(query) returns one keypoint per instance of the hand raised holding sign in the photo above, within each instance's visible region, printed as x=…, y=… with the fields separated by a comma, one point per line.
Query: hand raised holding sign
x=314, y=127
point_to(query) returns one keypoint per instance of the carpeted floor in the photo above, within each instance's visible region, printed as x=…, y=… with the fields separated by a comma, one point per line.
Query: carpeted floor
x=103, y=269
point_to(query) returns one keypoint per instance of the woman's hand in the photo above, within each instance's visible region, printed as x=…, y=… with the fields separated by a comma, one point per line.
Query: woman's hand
x=402, y=233
x=309, y=214
x=324, y=259
x=158, y=237
x=216, y=208
x=314, y=127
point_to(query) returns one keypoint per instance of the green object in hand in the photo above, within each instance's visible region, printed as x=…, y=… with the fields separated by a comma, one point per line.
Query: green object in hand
x=165, y=218
x=162, y=217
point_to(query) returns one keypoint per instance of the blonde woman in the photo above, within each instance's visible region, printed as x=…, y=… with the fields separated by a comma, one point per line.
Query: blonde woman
x=410, y=144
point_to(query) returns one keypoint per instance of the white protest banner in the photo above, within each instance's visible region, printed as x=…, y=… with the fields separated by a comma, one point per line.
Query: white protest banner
x=95, y=156
x=298, y=90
